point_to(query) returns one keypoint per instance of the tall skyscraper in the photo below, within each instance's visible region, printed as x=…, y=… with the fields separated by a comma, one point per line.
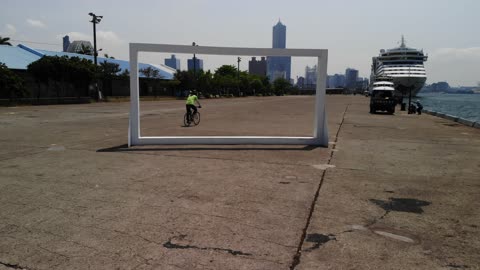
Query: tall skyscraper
x=279, y=39
x=279, y=66
x=66, y=43
x=173, y=62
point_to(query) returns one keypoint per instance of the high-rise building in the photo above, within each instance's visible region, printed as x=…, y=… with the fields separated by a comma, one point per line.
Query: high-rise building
x=257, y=67
x=351, y=77
x=279, y=66
x=311, y=77
x=173, y=62
x=336, y=81
x=279, y=39
x=198, y=64
x=66, y=43
x=362, y=83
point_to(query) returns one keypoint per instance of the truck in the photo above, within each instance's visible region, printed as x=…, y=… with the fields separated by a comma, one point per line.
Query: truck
x=382, y=97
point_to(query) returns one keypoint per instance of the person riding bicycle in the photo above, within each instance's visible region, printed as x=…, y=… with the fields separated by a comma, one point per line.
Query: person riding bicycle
x=191, y=99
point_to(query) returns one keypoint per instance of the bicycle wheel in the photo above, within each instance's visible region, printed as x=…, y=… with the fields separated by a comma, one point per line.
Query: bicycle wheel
x=185, y=120
x=196, y=118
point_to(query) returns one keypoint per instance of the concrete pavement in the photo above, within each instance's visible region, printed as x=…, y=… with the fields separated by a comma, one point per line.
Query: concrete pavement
x=403, y=195
x=73, y=197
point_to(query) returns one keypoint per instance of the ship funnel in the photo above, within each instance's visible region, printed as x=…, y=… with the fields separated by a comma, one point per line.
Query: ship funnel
x=403, y=42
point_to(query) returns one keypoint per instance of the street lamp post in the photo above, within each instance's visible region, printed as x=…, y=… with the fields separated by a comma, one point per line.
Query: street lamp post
x=95, y=19
x=194, y=67
x=238, y=74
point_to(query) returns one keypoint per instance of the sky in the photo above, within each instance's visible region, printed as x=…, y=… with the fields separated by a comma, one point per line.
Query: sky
x=353, y=31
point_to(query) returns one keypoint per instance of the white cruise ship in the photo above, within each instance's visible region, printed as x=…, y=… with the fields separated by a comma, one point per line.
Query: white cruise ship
x=403, y=66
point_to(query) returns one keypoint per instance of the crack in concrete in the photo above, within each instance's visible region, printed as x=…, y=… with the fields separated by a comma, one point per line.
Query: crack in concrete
x=375, y=220
x=298, y=254
x=171, y=245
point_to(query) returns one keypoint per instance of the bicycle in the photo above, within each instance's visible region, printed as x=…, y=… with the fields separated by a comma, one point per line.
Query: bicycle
x=195, y=118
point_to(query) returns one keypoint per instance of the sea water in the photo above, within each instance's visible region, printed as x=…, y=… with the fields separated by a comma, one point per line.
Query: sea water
x=465, y=106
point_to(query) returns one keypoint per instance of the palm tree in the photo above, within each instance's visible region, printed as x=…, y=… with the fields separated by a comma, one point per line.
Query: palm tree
x=4, y=41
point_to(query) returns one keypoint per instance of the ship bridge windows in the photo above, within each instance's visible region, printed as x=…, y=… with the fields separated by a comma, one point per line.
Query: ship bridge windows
x=401, y=62
x=400, y=52
x=394, y=58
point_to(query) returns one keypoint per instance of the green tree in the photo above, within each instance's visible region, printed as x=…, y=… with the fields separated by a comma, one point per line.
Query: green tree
x=41, y=70
x=186, y=80
x=281, y=86
x=60, y=74
x=226, y=70
x=11, y=84
x=225, y=78
x=204, y=82
x=4, y=41
x=150, y=72
x=256, y=86
x=125, y=73
x=267, y=86
x=62, y=71
x=81, y=73
x=107, y=71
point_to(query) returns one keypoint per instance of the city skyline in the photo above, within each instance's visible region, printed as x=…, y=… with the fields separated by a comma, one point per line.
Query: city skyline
x=350, y=30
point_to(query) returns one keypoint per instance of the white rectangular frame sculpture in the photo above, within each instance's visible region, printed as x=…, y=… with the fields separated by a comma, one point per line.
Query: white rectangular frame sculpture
x=320, y=132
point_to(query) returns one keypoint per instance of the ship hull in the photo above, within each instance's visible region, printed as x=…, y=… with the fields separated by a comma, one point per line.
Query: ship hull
x=404, y=85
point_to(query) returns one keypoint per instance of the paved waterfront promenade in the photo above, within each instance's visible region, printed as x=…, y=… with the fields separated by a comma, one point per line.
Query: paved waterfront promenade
x=391, y=192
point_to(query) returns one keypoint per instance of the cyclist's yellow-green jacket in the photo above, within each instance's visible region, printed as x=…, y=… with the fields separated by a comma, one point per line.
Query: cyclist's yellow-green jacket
x=191, y=99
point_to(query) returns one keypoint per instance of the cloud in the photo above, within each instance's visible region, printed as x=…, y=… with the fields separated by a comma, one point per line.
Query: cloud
x=108, y=36
x=457, y=66
x=449, y=54
x=36, y=23
x=10, y=29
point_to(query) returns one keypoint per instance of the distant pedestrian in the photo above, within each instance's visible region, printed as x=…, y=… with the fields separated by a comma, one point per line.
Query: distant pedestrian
x=419, y=107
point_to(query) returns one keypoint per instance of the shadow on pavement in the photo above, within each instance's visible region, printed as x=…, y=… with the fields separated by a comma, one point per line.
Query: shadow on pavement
x=125, y=148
